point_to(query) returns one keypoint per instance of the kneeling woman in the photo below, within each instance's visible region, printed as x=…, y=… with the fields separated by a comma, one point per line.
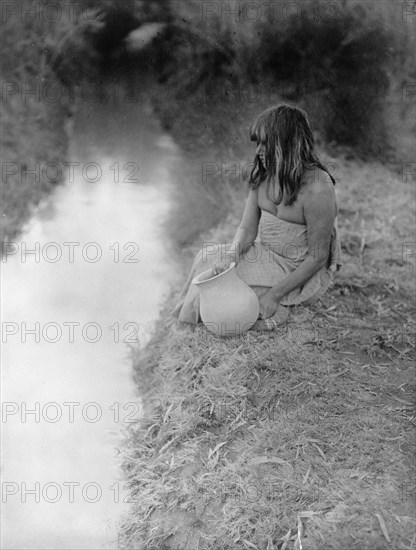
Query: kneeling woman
x=291, y=210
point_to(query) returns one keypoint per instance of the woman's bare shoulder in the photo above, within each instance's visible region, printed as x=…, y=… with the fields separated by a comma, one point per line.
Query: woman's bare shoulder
x=316, y=175
x=318, y=182
x=318, y=193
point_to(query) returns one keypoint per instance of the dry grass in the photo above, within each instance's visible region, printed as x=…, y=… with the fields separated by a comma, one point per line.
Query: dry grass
x=307, y=432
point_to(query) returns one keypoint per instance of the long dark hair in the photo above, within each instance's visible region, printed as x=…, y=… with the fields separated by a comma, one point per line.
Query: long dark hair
x=289, y=150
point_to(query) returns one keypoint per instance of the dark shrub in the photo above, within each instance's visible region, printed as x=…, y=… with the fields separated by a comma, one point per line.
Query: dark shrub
x=338, y=68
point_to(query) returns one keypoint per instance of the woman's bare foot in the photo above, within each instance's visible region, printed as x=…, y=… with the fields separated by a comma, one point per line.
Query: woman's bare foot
x=279, y=318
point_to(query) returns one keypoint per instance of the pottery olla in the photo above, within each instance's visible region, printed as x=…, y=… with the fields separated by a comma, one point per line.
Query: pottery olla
x=228, y=306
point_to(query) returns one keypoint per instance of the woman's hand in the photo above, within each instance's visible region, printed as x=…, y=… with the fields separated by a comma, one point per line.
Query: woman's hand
x=268, y=305
x=224, y=262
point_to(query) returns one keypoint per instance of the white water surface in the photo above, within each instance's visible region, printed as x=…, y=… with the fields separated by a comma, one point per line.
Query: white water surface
x=62, y=483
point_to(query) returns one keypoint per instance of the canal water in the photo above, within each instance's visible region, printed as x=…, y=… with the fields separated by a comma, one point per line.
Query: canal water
x=81, y=288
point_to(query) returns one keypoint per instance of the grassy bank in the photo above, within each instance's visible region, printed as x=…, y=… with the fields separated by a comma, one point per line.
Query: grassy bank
x=307, y=432
x=34, y=109
x=34, y=148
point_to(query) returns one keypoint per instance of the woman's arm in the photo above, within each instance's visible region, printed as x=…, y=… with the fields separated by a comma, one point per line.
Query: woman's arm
x=319, y=212
x=245, y=234
x=319, y=215
x=248, y=228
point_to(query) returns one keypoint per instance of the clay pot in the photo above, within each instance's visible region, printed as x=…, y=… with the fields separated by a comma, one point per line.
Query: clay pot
x=228, y=306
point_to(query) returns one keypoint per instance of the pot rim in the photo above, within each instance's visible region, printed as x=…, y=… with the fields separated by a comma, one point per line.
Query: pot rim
x=196, y=280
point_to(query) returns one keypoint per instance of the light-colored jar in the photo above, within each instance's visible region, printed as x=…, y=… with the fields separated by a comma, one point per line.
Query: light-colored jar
x=228, y=306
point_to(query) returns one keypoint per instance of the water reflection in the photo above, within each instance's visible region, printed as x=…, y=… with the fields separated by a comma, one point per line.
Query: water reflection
x=92, y=286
